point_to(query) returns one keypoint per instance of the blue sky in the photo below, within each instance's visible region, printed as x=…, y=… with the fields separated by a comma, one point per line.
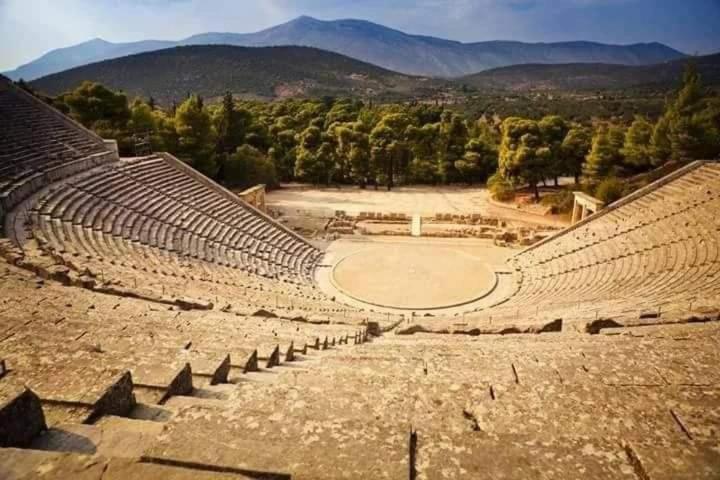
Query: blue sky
x=29, y=28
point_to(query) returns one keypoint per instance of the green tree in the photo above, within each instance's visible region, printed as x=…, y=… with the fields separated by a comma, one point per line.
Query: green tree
x=359, y=157
x=309, y=165
x=344, y=111
x=326, y=159
x=553, y=130
x=283, y=153
x=247, y=167
x=388, y=145
x=92, y=102
x=604, y=157
x=523, y=156
x=501, y=188
x=691, y=132
x=230, y=124
x=484, y=130
x=660, y=141
x=575, y=148
x=165, y=137
x=343, y=137
x=424, y=143
x=637, y=149
x=479, y=161
x=196, y=137
x=352, y=151
x=616, y=135
x=453, y=135
x=609, y=190
x=142, y=119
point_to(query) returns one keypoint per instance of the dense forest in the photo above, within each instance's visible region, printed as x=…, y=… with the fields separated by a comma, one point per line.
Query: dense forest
x=252, y=73
x=346, y=141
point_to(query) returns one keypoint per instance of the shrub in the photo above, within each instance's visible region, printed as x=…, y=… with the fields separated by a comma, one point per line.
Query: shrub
x=501, y=188
x=248, y=167
x=610, y=190
x=561, y=202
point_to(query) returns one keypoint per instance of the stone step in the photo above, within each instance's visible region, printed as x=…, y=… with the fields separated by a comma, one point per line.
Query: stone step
x=16, y=464
x=111, y=436
x=267, y=441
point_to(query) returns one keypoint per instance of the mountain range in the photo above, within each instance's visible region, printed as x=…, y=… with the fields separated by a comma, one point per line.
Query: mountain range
x=372, y=43
x=169, y=75
x=265, y=73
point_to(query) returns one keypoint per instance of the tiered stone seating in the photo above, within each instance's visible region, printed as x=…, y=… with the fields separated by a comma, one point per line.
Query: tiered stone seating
x=151, y=202
x=658, y=252
x=146, y=222
x=39, y=145
x=150, y=224
x=88, y=358
x=638, y=405
x=199, y=347
x=120, y=262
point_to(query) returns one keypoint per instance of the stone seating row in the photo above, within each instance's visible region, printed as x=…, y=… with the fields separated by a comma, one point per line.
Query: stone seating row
x=35, y=138
x=660, y=249
x=682, y=194
x=482, y=407
x=475, y=408
x=110, y=259
x=80, y=365
x=224, y=233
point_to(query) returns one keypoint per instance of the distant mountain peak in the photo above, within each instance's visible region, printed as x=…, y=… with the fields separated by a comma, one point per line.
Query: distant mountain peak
x=303, y=21
x=97, y=41
x=305, y=18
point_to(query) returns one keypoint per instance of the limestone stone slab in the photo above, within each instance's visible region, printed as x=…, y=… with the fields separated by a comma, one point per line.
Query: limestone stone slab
x=568, y=410
x=678, y=460
x=27, y=464
x=111, y=437
x=23, y=464
x=82, y=382
x=306, y=448
x=697, y=411
x=475, y=456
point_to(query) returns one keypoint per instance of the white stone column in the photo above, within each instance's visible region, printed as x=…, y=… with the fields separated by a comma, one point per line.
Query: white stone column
x=416, y=229
x=575, y=212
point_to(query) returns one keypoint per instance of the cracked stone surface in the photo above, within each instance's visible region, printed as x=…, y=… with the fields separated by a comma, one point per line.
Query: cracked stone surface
x=627, y=402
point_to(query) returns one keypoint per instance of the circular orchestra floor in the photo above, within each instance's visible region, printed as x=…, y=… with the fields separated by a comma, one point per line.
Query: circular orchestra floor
x=413, y=277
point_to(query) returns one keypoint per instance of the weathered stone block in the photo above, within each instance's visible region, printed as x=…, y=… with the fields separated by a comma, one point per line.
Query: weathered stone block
x=187, y=303
x=117, y=400
x=21, y=415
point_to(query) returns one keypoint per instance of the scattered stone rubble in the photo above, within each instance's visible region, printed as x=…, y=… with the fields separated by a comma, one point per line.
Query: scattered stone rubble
x=437, y=226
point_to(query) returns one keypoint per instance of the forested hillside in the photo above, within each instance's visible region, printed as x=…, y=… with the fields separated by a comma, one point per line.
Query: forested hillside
x=591, y=76
x=347, y=141
x=274, y=72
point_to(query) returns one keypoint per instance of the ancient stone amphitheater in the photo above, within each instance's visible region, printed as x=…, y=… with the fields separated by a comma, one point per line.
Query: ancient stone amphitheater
x=152, y=325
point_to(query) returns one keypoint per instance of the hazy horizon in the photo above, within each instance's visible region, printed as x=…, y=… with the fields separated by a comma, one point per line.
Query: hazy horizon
x=44, y=25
